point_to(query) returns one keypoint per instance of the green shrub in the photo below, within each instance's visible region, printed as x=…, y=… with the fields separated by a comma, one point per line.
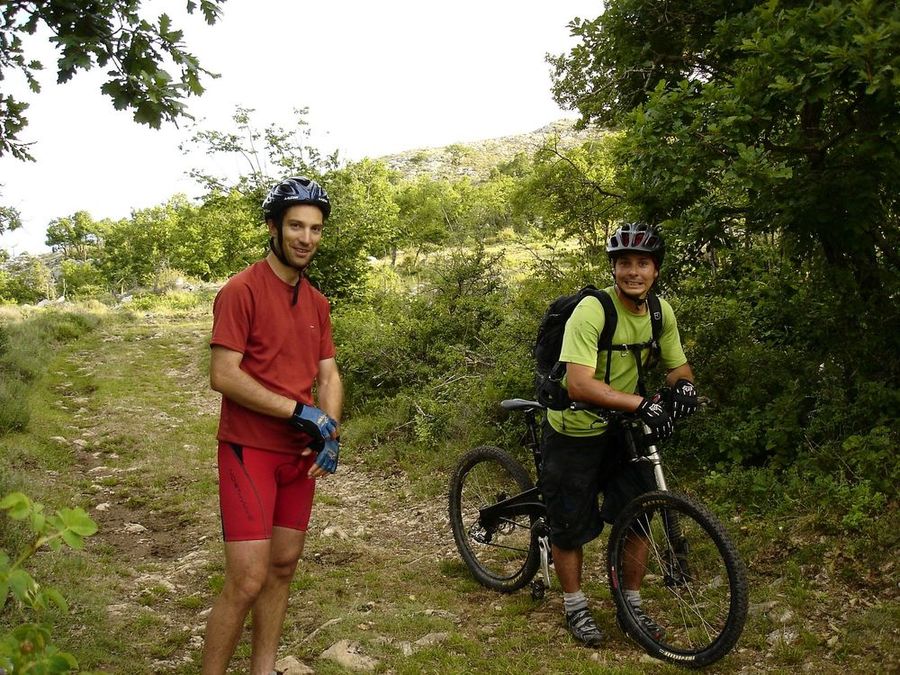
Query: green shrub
x=27, y=280
x=28, y=647
x=82, y=279
x=15, y=410
x=169, y=301
x=26, y=342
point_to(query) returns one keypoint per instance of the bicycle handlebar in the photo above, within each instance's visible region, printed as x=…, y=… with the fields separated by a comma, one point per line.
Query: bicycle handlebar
x=606, y=413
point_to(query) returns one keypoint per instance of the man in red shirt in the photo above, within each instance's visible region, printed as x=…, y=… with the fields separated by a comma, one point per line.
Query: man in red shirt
x=271, y=342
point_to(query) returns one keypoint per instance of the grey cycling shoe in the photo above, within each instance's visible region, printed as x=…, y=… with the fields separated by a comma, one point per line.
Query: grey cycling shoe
x=582, y=626
x=650, y=627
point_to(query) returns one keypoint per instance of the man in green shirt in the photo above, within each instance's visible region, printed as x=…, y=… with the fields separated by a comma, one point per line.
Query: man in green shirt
x=581, y=460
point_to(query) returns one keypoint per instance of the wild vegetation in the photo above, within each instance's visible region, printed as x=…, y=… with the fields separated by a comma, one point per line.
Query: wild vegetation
x=762, y=139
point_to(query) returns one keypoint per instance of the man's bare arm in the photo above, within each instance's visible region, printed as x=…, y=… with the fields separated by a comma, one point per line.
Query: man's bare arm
x=227, y=378
x=330, y=389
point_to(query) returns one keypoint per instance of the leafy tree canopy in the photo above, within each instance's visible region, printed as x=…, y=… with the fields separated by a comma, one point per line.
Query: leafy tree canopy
x=9, y=219
x=752, y=118
x=75, y=236
x=113, y=34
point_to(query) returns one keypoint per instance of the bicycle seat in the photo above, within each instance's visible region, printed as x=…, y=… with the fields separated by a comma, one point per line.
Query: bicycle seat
x=520, y=404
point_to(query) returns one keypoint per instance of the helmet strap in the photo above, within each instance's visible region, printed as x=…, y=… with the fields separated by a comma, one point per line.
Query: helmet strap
x=638, y=300
x=279, y=251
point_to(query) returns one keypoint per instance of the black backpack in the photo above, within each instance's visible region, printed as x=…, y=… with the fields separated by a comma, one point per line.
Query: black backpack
x=549, y=370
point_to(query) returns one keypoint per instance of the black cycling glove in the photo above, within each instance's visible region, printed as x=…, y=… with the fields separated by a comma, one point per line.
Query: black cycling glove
x=684, y=398
x=654, y=415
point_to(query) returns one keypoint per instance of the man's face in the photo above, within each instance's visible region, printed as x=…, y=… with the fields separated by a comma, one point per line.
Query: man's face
x=635, y=273
x=302, y=227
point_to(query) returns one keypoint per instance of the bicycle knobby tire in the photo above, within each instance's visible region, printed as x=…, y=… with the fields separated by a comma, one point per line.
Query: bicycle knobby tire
x=501, y=552
x=692, y=581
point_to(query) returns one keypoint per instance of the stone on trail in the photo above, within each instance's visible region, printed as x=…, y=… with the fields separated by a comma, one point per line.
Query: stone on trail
x=432, y=639
x=289, y=665
x=335, y=531
x=349, y=655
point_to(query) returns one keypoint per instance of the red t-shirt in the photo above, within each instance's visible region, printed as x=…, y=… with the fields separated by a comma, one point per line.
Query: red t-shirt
x=282, y=345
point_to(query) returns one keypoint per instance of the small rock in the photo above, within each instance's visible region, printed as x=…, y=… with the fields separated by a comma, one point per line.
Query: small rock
x=443, y=614
x=334, y=531
x=786, y=616
x=406, y=648
x=758, y=608
x=102, y=507
x=289, y=665
x=832, y=641
x=134, y=528
x=432, y=639
x=80, y=442
x=349, y=655
x=58, y=439
x=116, y=610
x=783, y=635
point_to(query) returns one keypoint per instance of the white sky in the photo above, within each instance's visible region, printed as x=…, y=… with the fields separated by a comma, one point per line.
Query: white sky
x=378, y=77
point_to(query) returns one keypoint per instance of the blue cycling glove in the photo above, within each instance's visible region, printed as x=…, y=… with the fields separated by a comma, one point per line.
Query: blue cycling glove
x=328, y=456
x=313, y=422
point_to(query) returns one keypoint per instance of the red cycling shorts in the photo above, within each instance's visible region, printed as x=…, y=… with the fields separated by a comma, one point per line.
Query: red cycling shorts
x=262, y=488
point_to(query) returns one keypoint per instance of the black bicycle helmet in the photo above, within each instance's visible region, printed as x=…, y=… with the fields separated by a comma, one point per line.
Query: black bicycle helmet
x=637, y=238
x=293, y=191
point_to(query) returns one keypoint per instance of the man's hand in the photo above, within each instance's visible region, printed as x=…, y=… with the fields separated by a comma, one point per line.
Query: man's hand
x=684, y=398
x=327, y=459
x=313, y=422
x=655, y=416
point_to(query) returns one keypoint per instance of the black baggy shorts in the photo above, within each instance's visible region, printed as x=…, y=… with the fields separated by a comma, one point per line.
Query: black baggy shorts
x=575, y=471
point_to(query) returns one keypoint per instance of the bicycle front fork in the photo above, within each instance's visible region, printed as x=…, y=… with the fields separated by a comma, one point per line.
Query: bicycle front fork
x=540, y=585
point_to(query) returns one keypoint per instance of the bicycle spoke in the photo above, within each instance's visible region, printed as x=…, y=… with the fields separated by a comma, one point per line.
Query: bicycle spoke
x=685, y=567
x=501, y=553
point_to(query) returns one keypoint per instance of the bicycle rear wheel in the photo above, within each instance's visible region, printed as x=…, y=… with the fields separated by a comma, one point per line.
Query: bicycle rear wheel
x=502, y=551
x=693, y=584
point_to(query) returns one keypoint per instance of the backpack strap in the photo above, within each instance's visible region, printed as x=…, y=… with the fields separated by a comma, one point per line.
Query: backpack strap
x=654, y=308
x=611, y=319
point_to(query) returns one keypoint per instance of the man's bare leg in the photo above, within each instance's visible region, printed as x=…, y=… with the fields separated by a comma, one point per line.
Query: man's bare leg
x=271, y=603
x=568, y=563
x=246, y=568
x=637, y=548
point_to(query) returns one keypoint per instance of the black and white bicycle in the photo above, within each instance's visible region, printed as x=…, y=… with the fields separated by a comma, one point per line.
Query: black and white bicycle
x=694, y=582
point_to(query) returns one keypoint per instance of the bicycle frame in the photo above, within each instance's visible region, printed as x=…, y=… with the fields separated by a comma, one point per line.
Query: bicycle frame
x=530, y=502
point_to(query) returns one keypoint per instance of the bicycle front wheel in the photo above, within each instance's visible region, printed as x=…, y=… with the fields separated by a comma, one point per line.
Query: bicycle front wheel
x=501, y=551
x=692, y=581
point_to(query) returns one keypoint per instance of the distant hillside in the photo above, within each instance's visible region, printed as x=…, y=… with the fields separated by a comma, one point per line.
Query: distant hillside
x=476, y=159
